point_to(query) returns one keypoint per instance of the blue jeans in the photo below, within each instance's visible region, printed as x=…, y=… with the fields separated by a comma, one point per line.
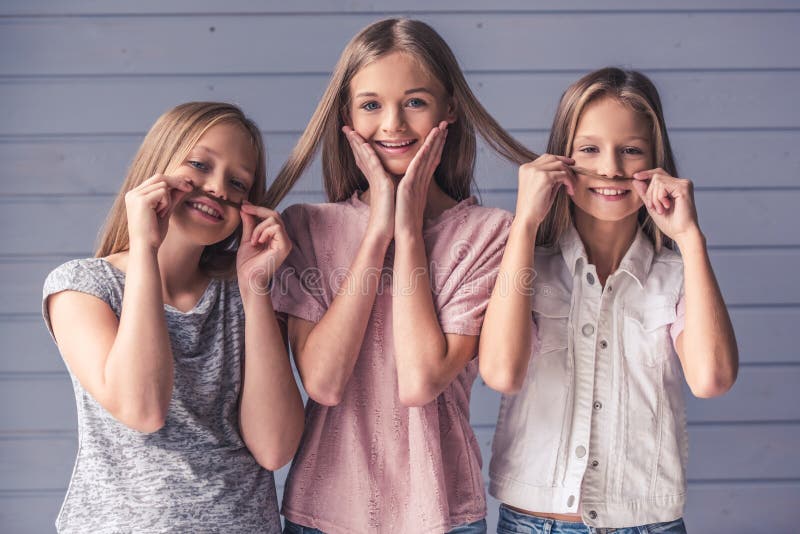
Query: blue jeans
x=512, y=522
x=478, y=527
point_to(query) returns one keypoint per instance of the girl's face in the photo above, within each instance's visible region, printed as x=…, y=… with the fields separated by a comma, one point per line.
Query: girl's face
x=394, y=105
x=222, y=165
x=611, y=139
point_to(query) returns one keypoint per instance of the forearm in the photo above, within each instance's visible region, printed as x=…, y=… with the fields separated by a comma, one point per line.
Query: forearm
x=420, y=345
x=138, y=373
x=505, y=342
x=710, y=355
x=328, y=355
x=271, y=409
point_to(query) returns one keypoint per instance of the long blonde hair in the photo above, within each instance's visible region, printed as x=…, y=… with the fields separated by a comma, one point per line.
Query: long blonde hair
x=163, y=150
x=632, y=89
x=341, y=176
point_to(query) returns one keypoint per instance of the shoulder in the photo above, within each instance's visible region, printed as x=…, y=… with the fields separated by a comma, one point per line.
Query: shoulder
x=82, y=275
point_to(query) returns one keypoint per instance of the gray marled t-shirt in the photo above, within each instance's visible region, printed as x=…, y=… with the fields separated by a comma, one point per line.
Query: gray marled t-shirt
x=195, y=474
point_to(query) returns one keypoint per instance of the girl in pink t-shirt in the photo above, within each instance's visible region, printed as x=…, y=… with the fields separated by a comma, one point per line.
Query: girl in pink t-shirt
x=385, y=290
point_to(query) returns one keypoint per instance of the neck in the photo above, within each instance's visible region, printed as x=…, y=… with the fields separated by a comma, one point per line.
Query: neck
x=606, y=242
x=179, y=263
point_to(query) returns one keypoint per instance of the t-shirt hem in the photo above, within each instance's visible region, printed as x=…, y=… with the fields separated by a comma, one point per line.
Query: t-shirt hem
x=331, y=528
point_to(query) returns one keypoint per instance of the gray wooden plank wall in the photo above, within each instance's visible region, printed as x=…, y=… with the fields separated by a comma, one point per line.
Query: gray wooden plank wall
x=82, y=80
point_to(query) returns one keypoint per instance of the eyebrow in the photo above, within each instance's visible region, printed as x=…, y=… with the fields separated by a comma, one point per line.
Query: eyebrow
x=595, y=137
x=410, y=91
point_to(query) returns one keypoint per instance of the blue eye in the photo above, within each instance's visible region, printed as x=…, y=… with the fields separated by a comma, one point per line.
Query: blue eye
x=632, y=150
x=198, y=165
x=416, y=103
x=588, y=149
x=238, y=184
x=369, y=106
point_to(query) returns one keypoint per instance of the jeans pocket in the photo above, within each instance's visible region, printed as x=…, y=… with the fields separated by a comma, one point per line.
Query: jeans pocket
x=669, y=527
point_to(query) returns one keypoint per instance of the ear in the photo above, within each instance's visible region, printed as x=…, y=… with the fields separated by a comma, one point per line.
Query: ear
x=452, y=109
x=344, y=115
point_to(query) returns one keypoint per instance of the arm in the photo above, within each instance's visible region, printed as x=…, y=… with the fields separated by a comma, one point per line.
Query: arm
x=707, y=346
x=270, y=409
x=506, y=336
x=127, y=364
x=427, y=359
x=325, y=353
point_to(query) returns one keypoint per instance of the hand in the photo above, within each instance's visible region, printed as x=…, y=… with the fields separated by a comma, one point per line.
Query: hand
x=381, y=186
x=670, y=202
x=150, y=205
x=539, y=181
x=262, y=249
x=412, y=192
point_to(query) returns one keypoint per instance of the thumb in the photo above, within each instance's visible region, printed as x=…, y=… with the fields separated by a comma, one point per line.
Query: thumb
x=640, y=186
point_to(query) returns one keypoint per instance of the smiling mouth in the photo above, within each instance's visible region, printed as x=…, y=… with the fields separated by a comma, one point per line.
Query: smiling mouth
x=396, y=144
x=204, y=208
x=608, y=192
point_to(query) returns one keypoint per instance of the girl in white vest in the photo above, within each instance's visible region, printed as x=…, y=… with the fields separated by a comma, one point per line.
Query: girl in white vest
x=595, y=321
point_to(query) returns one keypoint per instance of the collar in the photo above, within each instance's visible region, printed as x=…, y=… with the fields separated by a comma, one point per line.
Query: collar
x=636, y=262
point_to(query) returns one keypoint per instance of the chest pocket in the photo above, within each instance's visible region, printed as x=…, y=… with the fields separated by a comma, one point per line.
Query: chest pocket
x=645, y=333
x=551, y=315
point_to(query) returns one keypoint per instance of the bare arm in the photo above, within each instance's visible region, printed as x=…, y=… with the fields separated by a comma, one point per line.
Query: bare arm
x=326, y=352
x=127, y=364
x=506, y=336
x=707, y=346
x=270, y=409
x=427, y=359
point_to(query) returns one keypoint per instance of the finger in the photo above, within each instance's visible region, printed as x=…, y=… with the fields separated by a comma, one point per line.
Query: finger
x=640, y=186
x=265, y=235
x=248, y=224
x=179, y=182
x=565, y=159
x=261, y=212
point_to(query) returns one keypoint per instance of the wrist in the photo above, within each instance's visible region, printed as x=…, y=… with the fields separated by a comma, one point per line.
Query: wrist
x=525, y=227
x=691, y=239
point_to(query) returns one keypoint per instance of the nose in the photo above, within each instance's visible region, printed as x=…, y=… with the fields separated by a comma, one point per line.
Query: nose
x=393, y=120
x=214, y=183
x=610, y=165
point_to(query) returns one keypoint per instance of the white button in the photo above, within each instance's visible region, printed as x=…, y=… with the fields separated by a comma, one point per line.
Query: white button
x=587, y=330
x=580, y=451
x=571, y=501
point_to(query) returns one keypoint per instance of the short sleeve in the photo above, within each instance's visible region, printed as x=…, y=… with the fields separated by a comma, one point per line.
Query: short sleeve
x=84, y=276
x=465, y=296
x=676, y=328
x=298, y=287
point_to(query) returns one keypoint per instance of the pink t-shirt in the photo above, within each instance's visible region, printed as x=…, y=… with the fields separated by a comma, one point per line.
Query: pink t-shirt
x=371, y=464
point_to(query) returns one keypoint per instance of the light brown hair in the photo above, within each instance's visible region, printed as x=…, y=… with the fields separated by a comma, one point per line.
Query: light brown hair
x=341, y=176
x=632, y=89
x=164, y=149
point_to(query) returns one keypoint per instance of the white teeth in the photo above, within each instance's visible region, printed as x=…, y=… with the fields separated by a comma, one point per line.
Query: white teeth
x=609, y=192
x=396, y=145
x=206, y=209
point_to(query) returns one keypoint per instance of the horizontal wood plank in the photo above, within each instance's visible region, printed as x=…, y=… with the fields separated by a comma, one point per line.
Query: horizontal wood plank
x=760, y=394
x=68, y=225
x=410, y=7
x=97, y=165
x=284, y=103
x=484, y=42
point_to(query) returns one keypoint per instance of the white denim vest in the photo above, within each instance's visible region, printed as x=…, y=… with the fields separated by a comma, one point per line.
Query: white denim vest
x=599, y=427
